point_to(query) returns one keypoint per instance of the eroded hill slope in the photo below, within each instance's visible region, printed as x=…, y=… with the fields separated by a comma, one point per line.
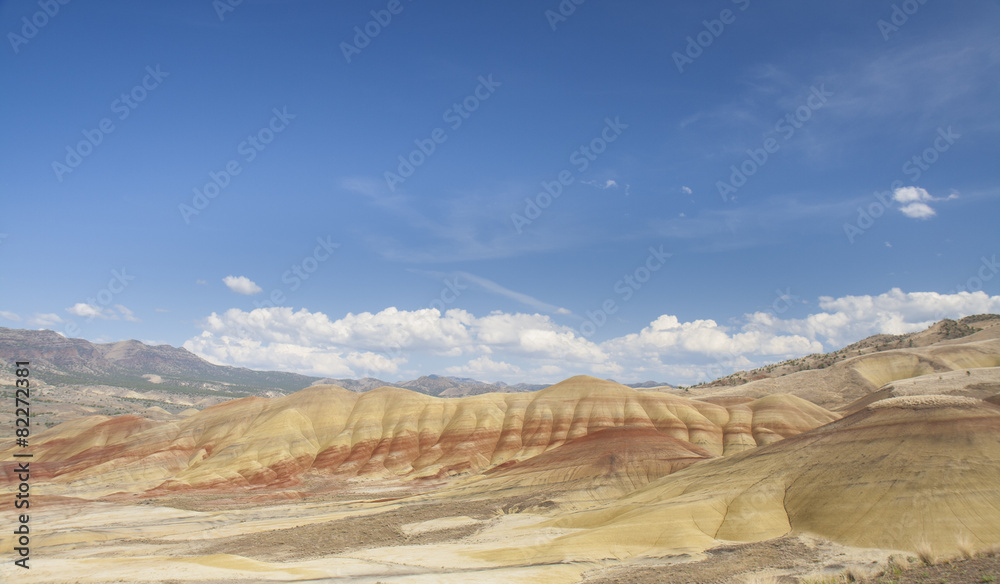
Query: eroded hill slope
x=851, y=378
x=907, y=473
x=387, y=432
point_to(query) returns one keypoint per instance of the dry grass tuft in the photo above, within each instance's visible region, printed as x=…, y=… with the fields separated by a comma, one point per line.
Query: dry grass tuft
x=925, y=552
x=897, y=564
x=859, y=574
x=991, y=551
x=823, y=580
x=925, y=401
x=851, y=574
x=760, y=578
x=966, y=547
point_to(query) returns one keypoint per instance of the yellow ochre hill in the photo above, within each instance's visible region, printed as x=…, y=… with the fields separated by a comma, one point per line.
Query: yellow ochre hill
x=907, y=473
x=327, y=431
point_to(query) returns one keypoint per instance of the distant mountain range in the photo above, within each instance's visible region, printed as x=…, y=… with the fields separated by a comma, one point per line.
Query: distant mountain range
x=435, y=385
x=74, y=377
x=57, y=360
x=61, y=361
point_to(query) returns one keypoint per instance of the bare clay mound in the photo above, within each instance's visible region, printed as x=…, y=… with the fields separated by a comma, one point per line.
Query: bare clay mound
x=329, y=432
x=359, y=533
x=599, y=467
x=837, y=380
x=891, y=477
x=582, y=476
x=925, y=401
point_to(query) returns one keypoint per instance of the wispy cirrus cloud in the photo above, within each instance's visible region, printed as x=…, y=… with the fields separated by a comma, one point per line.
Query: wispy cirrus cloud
x=11, y=316
x=495, y=288
x=44, y=319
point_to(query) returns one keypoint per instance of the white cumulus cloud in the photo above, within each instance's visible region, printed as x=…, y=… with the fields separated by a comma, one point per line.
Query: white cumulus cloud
x=82, y=309
x=241, y=285
x=667, y=336
x=848, y=319
x=914, y=201
x=484, y=368
x=918, y=211
x=381, y=342
x=534, y=348
x=911, y=195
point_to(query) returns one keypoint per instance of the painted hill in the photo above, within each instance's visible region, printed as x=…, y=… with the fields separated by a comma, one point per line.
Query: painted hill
x=77, y=378
x=908, y=473
x=598, y=467
x=327, y=431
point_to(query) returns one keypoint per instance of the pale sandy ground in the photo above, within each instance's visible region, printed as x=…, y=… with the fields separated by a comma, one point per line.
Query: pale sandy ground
x=108, y=542
x=976, y=382
x=423, y=541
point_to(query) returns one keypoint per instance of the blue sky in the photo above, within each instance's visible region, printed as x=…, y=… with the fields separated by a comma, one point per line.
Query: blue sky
x=737, y=181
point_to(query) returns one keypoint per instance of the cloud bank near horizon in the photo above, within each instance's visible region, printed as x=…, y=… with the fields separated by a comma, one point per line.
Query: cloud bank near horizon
x=520, y=347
